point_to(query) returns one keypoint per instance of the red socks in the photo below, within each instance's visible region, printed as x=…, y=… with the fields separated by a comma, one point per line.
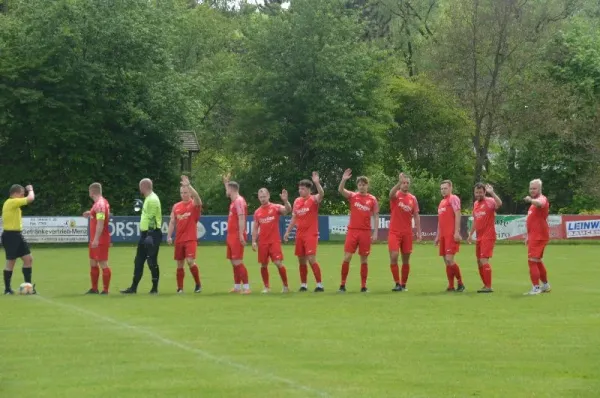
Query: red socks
x=457, y=273
x=180, y=276
x=485, y=272
x=243, y=274
x=345, y=271
x=543, y=273
x=264, y=272
x=237, y=275
x=453, y=271
x=395, y=272
x=283, y=275
x=405, y=272
x=364, y=273
x=195, y=273
x=534, y=272
x=94, y=275
x=303, y=273
x=316, y=271
x=106, y=275
x=450, y=276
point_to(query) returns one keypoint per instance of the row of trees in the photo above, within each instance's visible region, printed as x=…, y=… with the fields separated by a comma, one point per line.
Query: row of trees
x=470, y=90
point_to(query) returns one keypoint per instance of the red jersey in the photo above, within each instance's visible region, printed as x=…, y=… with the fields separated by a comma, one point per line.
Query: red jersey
x=537, y=220
x=362, y=208
x=484, y=218
x=446, y=216
x=100, y=211
x=267, y=217
x=186, y=215
x=237, y=208
x=404, y=207
x=306, y=211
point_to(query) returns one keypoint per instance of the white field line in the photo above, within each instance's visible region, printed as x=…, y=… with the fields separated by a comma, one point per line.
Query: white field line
x=196, y=351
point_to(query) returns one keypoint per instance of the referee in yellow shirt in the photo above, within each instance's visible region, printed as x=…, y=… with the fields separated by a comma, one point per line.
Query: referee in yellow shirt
x=13, y=241
x=150, y=239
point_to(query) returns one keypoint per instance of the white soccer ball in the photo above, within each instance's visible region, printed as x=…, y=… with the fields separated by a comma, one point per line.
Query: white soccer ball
x=26, y=288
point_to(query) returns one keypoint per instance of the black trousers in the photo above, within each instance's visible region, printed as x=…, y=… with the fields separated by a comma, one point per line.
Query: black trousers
x=147, y=250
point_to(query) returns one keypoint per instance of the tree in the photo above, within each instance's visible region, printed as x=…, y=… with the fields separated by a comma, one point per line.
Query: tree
x=404, y=25
x=88, y=93
x=431, y=133
x=313, y=97
x=484, y=48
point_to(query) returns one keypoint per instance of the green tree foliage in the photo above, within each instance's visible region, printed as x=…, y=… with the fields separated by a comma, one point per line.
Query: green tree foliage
x=466, y=89
x=87, y=93
x=432, y=133
x=313, y=98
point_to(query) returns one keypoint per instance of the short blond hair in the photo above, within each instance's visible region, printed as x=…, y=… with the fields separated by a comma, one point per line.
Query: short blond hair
x=537, y=182
x=96, y=187
x=264, y=190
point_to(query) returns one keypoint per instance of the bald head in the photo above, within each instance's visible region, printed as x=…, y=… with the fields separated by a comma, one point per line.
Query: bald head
x=146, y=186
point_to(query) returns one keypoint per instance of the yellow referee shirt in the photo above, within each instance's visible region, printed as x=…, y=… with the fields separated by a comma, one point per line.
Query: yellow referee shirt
x=11, y=214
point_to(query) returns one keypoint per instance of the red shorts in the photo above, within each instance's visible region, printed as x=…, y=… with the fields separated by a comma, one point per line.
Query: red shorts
x=99, y=253
x=484, y=248
x=185, y=250
x=235, y=250
x=306, y=245
x=402, y=243
x=269, y=251
x=358, y=238
x=535, y=248
x=448, y=246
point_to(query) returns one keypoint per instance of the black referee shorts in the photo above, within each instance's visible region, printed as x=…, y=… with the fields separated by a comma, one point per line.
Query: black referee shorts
x=14, y=244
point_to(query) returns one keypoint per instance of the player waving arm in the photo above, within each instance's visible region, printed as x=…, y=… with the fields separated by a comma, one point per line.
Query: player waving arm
x=397, y=187
x=320, y=192
x=490, y=191
x=185, y=181
x=341, y=188
x=287, y=207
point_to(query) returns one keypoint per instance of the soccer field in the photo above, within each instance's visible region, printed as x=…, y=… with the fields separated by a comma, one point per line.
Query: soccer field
x=420, y=343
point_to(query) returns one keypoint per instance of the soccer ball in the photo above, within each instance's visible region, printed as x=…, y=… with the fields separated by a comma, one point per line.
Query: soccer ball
x=26, y=288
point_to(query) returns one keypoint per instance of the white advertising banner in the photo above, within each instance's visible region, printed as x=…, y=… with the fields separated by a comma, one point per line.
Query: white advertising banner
x=54, y=229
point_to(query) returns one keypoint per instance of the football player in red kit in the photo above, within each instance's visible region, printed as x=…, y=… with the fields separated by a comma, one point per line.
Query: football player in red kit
x=100, y=239
x=266, y=237
x=184, y=220
x=538, y=235
x=404, y=208
x=484, y=224
x=448, y=234
x=364, y=212
x=305, y=215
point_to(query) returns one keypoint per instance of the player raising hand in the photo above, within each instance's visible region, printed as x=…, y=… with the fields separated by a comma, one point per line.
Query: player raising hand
x=364, y=213
x=404, y=208
x=538, y=235
x=305, y=215
x=484, y=224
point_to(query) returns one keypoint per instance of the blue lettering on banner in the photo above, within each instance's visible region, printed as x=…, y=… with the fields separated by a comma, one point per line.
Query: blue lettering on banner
x=579, y=225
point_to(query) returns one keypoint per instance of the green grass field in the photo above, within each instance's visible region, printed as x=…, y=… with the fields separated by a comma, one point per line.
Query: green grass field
x=420, y=343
